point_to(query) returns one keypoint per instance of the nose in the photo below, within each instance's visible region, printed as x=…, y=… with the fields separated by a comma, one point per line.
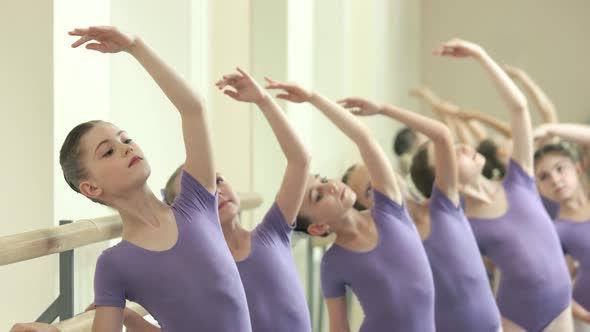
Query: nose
x=330, y=187
x=555, y=177
x=127, y=150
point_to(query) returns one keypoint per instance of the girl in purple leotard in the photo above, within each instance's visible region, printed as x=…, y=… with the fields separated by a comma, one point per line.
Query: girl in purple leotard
x=560, y=178
x=508, y=218
x=464, y=300
x=377, y=253
x=171, y=260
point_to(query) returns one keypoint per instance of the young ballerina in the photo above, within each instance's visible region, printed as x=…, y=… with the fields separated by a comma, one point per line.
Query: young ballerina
x=377, y=253
x=276, y=300
x=558, y=177
x=464, y=300
x=275, y=295
x=508, y=219
x=171, y=260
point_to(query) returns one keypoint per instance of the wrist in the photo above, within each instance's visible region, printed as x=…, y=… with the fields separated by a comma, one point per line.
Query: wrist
x=480, y=53
x=263, y=100
x=135, y=46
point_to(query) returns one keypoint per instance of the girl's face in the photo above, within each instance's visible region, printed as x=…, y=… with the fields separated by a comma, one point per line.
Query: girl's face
x=115, y=163
x=469, y=162
x=557, y=176
x=228, y=203
x=360, y=183
x=326, y=201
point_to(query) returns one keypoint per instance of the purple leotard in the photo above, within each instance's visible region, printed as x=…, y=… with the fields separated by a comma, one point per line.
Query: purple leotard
x=464, y=301
x=552, y=207
x=393, y=281
x=273, y=289
x=195, y=285
x=575, y=240
x=535, y=286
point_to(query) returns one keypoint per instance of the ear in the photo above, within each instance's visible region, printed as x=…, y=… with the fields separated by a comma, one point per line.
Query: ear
x=90, y=190
x=318, y=229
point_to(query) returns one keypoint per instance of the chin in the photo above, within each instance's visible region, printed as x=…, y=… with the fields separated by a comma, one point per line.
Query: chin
x=228, y=212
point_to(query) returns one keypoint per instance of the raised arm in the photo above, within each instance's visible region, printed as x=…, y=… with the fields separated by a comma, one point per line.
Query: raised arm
x=292, y=189
x=374, y=158
x=577, y=133
x=190, y=104
x=477, y=130
x=444, y=149
x=498, y=125
x=538, y=96
x=447, y=113
x=520, y=119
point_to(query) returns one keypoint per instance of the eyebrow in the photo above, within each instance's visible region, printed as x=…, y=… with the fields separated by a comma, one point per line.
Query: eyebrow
x=106, y=140
x=315, y=177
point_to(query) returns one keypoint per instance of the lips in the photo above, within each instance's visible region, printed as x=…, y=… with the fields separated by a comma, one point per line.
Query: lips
x=223, y=204
x=134, y=161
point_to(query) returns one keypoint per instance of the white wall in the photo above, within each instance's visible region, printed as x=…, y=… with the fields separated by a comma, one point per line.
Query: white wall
x=81, y=93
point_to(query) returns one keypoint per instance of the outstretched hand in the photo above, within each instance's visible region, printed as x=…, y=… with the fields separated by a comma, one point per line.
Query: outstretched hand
x=459, y=48
x=245, y=87
x=360, y=106
x=107, y=39
x=292, y=92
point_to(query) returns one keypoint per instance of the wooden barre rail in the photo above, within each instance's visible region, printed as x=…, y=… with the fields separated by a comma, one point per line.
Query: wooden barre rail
x=83, y=322
x=42, y=242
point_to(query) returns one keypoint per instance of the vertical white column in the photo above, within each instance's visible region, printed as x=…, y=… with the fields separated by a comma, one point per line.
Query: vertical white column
x=81, y=93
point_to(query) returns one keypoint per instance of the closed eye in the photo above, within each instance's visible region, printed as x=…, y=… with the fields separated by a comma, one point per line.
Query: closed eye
x=318, y=197
x=368, y=191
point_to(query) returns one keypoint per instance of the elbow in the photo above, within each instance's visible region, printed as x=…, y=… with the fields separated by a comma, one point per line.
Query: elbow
x=442, y=135
x=302, y=161
x=520, y=105
x=305, y=160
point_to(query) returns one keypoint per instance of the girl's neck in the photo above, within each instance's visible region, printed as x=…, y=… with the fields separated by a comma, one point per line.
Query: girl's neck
x=480, y=191
x=234, y=233
x=141, y=209
x=576, y=205
x=349, y=227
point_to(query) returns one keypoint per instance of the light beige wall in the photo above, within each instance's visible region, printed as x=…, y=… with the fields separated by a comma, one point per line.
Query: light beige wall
x=546, y=38
x=26, y=108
